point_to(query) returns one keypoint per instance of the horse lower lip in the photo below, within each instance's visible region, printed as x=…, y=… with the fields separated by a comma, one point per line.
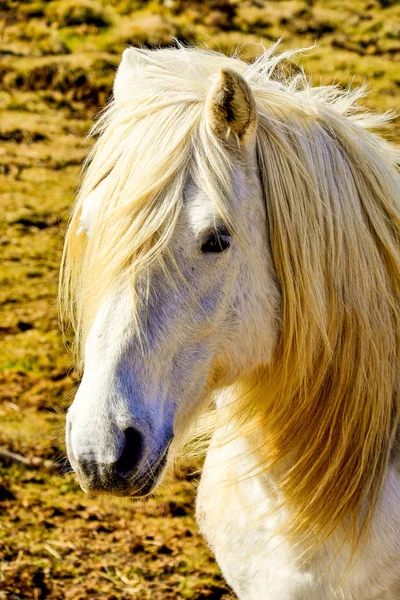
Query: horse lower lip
x=149, y=482
x=134, y=489
x=145, y=490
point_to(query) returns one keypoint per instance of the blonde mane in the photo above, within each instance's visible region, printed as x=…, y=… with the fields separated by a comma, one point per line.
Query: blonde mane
x=327, y=407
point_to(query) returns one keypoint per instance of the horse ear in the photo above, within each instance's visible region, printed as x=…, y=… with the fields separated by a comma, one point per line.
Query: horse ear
x=231, y=107
x=132, y=62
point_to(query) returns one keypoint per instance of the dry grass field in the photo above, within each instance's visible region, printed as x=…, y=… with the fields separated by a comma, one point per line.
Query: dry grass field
x=57, y=62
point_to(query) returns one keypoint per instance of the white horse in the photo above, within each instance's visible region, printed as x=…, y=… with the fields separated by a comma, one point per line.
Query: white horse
x=236, y=238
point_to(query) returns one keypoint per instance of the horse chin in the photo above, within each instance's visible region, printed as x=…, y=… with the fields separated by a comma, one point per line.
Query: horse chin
x=147, y=483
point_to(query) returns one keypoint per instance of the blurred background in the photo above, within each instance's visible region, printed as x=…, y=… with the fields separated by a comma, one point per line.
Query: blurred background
x=57, y=63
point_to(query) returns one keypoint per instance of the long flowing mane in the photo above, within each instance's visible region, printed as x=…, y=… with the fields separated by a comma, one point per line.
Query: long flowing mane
x=327, y=407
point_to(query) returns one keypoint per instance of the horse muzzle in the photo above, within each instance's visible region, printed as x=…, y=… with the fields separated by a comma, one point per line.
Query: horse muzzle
x=109, y=460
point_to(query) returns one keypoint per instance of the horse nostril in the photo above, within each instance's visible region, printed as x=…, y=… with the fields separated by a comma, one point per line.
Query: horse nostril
x=132, y=452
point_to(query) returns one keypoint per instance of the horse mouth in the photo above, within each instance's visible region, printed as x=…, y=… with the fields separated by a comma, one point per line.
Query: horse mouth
x=98, y=480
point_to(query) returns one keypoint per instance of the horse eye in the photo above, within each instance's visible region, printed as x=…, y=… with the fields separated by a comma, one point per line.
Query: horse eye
x=217, y=240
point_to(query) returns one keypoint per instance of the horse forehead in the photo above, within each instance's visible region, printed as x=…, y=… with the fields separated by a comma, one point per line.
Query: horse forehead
x=202, y=211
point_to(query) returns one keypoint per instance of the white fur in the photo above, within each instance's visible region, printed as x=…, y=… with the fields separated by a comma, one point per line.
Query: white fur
x=258, y=560
x=90, y=207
